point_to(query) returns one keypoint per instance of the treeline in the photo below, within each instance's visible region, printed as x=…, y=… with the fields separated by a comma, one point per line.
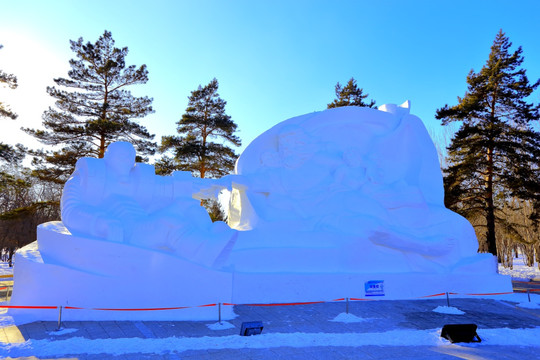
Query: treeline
x=491, y=171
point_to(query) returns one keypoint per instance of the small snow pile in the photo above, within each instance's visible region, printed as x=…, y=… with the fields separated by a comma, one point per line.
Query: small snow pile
x=448, y=310
x=529, y=305
x=348, y=318
x=224, y=325
x=63, y=332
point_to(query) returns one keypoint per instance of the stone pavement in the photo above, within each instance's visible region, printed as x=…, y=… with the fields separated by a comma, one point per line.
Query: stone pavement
x=315, y=318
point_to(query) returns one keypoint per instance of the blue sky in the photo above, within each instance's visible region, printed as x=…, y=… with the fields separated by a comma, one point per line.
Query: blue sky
x=273, y=59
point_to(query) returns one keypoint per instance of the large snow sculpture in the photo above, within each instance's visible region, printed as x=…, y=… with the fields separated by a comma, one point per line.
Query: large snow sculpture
x=325, y=205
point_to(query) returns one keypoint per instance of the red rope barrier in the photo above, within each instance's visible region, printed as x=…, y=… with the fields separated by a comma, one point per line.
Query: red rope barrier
x=434, y=295
x=233, y=304
x=142, y=309
x=287, y=304
x=502, y=293
x=27, y=307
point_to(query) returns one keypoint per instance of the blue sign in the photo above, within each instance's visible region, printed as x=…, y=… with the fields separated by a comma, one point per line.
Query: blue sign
x=374, y=288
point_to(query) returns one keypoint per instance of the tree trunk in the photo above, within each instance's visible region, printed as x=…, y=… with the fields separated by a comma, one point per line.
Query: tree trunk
x=490, y=245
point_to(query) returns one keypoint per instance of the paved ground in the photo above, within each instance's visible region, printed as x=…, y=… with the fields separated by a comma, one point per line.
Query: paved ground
x=383, y=316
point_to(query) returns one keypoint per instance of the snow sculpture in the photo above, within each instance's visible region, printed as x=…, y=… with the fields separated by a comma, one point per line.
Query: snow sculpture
x=346, y=202
x=118, y=200
x=362, y=182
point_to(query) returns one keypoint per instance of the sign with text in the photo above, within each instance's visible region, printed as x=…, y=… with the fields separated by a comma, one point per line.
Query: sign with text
x=374, y=288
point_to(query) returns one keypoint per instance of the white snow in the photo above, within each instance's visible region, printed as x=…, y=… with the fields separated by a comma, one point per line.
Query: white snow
x=400, y=337
x=529, y=305
x=348, y=318
x=224, y=325
x=62, y=332
x=448, y=310
x=520, y=271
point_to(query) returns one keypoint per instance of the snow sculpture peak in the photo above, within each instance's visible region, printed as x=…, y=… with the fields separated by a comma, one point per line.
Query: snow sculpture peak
x=400, y=111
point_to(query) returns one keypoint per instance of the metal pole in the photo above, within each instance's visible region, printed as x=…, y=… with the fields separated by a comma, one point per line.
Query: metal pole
x=219, y=305
x=447, y=300
x=529, y=294
x=347, y=306
x=59, y=318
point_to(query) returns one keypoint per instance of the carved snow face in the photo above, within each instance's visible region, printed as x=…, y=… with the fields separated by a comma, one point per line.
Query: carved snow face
x=120, y=159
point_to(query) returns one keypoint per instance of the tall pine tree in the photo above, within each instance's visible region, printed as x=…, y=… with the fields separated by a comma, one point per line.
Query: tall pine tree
x=350, y=95
x=195, y=149
x=93, y=109
x=493, y=156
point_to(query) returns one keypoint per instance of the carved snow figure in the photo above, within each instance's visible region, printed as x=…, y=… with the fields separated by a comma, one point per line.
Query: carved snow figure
x=322, y=206
x=118, y=200
x=362, y=186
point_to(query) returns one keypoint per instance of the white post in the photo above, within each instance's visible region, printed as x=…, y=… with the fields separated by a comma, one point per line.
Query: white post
x=59, y=318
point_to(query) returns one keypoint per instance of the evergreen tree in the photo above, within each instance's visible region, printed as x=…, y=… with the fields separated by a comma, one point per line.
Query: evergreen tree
x=194, y=150
x=494, y=154
x=93, y=109
x=7, y=152
x=350, y=95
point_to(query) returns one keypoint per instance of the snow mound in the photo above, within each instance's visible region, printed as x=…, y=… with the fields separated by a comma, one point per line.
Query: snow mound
x=348, y=318
x=63, y=332
x=448, y=310
x=529, y=305
x=224, y=325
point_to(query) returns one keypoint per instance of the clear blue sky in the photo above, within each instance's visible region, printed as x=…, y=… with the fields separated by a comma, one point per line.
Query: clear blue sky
x=273, y=59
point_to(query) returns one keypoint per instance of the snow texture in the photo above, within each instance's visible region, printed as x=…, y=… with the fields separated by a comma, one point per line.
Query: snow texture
x=224, y=325
x=346, y=197
x=348, y=318
x=399, y=337
x=448, y=310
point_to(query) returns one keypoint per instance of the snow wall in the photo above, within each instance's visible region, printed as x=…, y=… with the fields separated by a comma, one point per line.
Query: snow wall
x=346, y=202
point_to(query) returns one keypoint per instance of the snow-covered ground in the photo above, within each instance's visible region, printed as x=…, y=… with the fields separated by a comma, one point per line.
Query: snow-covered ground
x=520, y=271
x=53, y=346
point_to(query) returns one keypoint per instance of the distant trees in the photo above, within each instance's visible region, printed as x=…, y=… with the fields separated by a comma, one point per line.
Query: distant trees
x=196, y=148
x=24, y=204
x=350, y=95
x=8, y=153
x=494, y=156
x=93, y=108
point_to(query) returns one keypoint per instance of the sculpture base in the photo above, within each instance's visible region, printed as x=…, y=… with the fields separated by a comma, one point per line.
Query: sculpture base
x=62, y=269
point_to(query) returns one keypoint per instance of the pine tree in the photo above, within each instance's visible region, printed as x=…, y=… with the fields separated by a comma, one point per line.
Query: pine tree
x=494, y=154
x=350, y=95
x=7, y=152
x=204, y=120
x=93, y=108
